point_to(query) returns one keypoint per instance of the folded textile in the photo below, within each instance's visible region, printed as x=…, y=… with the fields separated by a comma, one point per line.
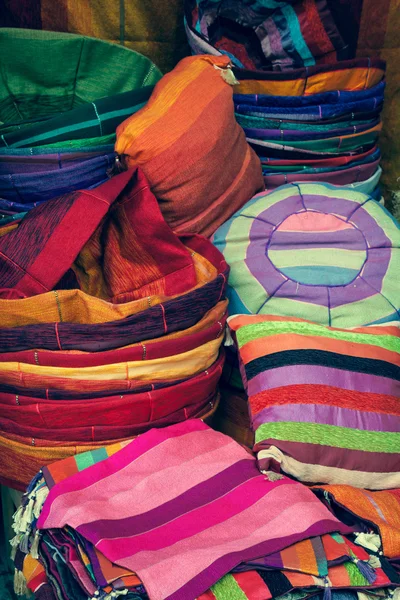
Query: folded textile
x=314, y=251
x=363, y=180
x=312, y=112
x=207, y=328
x=275, y=584
x=190, y=147
x=129, y=407
x=380, y=509
x=25, y=189
x=330, y=97
x=51, y=161
x=22, y=457
x=74, y=306
x=110, y=376
x=97, y=118
x=346, y=75
x=128, y=264
x=308, y=134
x=323, y=400
x=228, y=474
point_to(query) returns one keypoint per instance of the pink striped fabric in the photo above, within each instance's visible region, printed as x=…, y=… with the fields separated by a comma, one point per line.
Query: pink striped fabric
x=181, y=539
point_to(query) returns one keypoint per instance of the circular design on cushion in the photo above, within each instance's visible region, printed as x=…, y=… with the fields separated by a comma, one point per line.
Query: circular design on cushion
x=313, y=248
x=313, y=251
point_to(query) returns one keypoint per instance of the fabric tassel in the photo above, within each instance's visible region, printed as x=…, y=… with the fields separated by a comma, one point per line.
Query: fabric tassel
x=119, y=166
x=17, y=516
x=374, y=561
x=20, y=587
x=26, y=518
x=371, y=541
x=34, y=482
x=35, y=546
x=227, y=75
x=327, y=591
x=24, y=544
x=41, y=496
x=366, y=570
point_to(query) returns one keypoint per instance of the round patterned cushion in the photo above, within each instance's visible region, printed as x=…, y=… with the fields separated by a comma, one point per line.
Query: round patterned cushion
x=314, y=251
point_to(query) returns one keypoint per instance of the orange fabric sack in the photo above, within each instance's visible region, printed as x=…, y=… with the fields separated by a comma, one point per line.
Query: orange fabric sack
x=190, y=147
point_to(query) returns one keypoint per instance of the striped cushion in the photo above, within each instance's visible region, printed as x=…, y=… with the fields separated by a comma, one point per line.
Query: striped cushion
x=314, y=251
x=323, y=401
x=191, y=148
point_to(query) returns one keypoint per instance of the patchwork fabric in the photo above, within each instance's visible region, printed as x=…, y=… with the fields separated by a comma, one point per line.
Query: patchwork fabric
x=324, y=401
x=326, y=254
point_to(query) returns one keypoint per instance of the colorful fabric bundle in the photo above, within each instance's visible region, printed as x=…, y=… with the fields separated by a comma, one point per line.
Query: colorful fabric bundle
x=144, y=319
x=186, y=517
x=190, y=147
x=313, y=251
x=275, y=36
x=365, y=508
x=274, y=584
x=318, y=128
x=323, y=401
x=318, y=113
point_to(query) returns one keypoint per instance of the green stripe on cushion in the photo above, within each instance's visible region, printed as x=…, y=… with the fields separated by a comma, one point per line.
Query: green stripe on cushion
x=321, y=257
x=330, y=435
x=255, y=331
x=356, y=578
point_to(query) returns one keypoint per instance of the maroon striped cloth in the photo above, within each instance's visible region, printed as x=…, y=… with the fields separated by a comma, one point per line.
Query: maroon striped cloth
x=116, y=225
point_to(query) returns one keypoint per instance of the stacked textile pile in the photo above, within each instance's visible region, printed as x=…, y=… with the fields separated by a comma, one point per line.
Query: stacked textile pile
x=111, y=324
x=57, y=125
x=308, y=117
x=222, y=526
x=330, y=136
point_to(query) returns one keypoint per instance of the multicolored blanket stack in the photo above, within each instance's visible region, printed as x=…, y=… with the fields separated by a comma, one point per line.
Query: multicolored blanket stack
x=307, y=116
x=111, y=325
x=222, y=526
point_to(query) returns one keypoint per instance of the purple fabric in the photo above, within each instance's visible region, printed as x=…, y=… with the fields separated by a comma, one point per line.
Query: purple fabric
x=11, y=164
x=351, y=239
x=329, y=415
x=174, y=315
x=28, y=188
x=303, y=374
